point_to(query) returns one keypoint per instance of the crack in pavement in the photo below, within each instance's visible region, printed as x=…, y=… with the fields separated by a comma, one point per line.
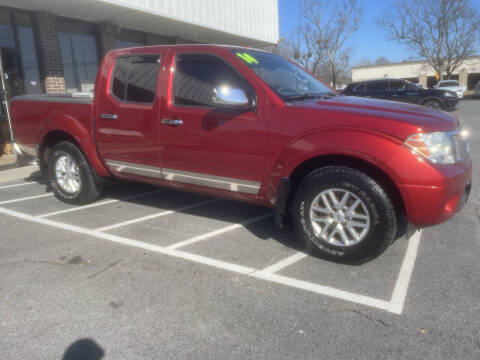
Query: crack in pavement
x=366, y=316
x=103, y=270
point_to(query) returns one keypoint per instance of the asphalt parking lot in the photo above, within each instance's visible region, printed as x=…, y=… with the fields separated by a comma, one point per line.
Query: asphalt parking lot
x=152, y=273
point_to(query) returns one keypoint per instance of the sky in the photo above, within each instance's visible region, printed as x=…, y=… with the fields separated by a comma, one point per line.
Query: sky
x=369, y=42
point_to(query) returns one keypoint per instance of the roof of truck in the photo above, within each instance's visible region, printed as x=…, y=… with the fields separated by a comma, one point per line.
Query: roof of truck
x=187, y=46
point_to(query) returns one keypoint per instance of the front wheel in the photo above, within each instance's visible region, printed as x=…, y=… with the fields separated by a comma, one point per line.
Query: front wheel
x=71, y=177
x=433, y=104
x=342, y=214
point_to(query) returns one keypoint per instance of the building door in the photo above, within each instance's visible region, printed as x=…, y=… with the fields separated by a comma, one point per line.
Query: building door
x=18, y=60
x=8, y=87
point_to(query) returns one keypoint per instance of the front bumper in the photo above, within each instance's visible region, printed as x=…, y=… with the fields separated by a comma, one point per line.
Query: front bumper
x=430, y=205
x=450, y=104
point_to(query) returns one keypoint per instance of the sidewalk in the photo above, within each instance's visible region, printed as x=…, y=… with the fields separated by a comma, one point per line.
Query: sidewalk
x=7, y=161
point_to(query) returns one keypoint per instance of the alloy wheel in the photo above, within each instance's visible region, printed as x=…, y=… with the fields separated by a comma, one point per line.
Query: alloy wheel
x=67, y=174
x=339, y=217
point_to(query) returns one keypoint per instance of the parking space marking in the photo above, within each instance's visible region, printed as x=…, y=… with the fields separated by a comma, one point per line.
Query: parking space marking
x=25, y=198
x=101, y=203
x=154, y=216
x=394, y=306
x=403, y=281
x=284, y=263
x=217, y=232
x=324, y=290
x=23, y=184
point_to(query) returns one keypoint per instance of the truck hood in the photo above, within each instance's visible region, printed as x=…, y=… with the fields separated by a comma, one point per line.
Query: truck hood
x=453, y=88
x=396, y=118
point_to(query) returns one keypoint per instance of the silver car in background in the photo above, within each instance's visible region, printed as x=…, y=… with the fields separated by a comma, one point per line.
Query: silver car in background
x=452, y=85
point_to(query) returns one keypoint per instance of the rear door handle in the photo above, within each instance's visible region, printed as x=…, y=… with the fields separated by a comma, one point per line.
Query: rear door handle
x=174, y=122
x=109, y=116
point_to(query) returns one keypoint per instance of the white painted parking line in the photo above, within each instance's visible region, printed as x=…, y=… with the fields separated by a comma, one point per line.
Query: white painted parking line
x=217, y=232
x=394, y=306
x=403, y=281
x=25, y=198
x=23, y=184
x=284, y=263
x=324, y=290
x=101, y=203
x=156, y=215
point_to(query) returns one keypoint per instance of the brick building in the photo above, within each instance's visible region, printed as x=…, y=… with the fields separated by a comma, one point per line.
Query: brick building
x=55, y=46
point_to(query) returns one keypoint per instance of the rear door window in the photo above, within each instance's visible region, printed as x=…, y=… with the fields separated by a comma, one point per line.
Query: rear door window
x=135, y=78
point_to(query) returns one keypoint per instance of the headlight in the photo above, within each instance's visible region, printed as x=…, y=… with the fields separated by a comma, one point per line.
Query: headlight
x=436, y=147
x=449, y=94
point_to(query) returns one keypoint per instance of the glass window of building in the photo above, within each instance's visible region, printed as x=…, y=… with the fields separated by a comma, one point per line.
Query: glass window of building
x=7, y=40
x=7, y=37
x=18, y=51
x=78, y=46
x=31, y=76
x=129, y=38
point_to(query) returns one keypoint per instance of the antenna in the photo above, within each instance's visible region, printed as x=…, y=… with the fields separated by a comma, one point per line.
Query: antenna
x=300, y=10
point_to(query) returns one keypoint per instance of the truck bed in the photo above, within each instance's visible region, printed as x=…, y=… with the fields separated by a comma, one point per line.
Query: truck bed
x=39, y=112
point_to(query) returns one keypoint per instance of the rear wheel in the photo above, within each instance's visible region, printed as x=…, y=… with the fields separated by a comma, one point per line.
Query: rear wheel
x=71, y=177
x=342, y=214
x=433, y=104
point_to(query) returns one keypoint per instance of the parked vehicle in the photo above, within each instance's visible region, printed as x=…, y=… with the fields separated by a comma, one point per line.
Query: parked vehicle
x=404, y=91
x=249, y=125
x=476, y=89
x=452, y=85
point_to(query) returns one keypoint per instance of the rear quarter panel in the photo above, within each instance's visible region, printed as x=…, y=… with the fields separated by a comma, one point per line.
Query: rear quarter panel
x=34, y=120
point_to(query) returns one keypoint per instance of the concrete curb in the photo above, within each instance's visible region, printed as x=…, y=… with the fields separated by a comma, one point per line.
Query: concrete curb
x=25, y=172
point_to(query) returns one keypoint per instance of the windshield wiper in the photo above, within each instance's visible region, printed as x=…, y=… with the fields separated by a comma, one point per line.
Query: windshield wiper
x=306, y=96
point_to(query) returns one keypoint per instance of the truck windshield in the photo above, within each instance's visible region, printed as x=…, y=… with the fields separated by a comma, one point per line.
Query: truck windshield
x=447, y=83
x=288, y=80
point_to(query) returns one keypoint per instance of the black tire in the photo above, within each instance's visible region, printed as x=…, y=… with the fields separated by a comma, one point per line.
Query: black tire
x=383, y=221
x=88, y=190
x=433, y=104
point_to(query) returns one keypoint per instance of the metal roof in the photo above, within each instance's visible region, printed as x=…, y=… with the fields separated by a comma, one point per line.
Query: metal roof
x=246, y=22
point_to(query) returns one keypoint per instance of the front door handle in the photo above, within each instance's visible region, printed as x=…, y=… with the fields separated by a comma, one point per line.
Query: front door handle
x=109, y=116
x=174, y=122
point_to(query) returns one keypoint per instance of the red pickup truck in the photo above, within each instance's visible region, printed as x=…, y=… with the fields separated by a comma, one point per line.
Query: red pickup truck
x=249, y=125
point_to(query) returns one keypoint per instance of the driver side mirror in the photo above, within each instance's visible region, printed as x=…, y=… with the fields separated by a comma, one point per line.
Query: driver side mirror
x=225, y=96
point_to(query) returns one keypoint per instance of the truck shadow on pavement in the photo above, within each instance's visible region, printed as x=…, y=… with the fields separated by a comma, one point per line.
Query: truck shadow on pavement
x=230, y=211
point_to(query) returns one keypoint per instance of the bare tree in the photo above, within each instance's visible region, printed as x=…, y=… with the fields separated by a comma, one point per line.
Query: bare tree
x=444, y=32
x=283, y=48
x=363, y=62
x=322, y=36
x=382, y=60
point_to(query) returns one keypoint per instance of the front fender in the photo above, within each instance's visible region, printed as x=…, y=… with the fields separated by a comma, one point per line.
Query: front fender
x=370, y=146
x=80, y=130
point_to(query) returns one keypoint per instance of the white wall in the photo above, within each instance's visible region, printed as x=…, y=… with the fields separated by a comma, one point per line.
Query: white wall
x=236, y=22
x=408, y=70
x=256, y=19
